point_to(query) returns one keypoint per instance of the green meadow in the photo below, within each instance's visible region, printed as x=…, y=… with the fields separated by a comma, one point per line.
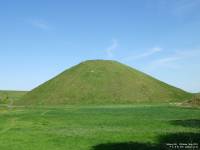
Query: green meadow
x=92, y=127
x=7, y=96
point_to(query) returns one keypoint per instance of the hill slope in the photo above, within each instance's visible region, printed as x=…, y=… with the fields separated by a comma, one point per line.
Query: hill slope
x=102, y=82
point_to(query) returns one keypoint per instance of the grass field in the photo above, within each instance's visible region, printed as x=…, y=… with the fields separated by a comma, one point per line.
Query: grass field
x=119, y=127
x=10, y=96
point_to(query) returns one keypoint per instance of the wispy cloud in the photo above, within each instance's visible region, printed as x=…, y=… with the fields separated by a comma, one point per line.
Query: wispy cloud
x=145, y=54
x=110, y=50
x=172, y=61
x=165, y=62
x=38, y=23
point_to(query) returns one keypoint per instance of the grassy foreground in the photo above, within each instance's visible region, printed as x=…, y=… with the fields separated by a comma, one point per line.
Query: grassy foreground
x=119, y=127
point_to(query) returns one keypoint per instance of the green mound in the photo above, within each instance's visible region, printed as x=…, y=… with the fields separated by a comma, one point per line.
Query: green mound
x=102, y=82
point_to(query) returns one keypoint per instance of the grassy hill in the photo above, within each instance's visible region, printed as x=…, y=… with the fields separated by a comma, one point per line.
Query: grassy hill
x=102, y=82
x=8, y=96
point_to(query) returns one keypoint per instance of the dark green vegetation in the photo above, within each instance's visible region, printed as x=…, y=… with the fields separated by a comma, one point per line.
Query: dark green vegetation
x=180, y=141
x=116, y=127
x=102, y=82
x=7, y=97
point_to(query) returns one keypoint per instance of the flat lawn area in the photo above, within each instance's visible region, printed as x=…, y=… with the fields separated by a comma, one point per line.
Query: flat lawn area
x=122, y=127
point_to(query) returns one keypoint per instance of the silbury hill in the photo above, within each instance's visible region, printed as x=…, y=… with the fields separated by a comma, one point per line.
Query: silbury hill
x=102, y=82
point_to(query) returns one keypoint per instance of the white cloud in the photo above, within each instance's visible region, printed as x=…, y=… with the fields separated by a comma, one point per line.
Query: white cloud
x=145, y=54
x=110, y=50
x=149, y=52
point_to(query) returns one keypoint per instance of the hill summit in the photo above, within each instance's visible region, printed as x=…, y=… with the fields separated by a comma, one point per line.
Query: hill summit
x=102, y=82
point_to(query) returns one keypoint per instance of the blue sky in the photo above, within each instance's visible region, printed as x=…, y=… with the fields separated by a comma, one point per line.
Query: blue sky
x=41, y=38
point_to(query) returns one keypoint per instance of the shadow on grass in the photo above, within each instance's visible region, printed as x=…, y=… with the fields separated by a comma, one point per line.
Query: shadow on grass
x=193, y=123
x=125, y=146
x=179, y=141
x=180, y=138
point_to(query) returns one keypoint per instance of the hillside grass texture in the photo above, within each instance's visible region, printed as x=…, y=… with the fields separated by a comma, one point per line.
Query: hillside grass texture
x=102, y=82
